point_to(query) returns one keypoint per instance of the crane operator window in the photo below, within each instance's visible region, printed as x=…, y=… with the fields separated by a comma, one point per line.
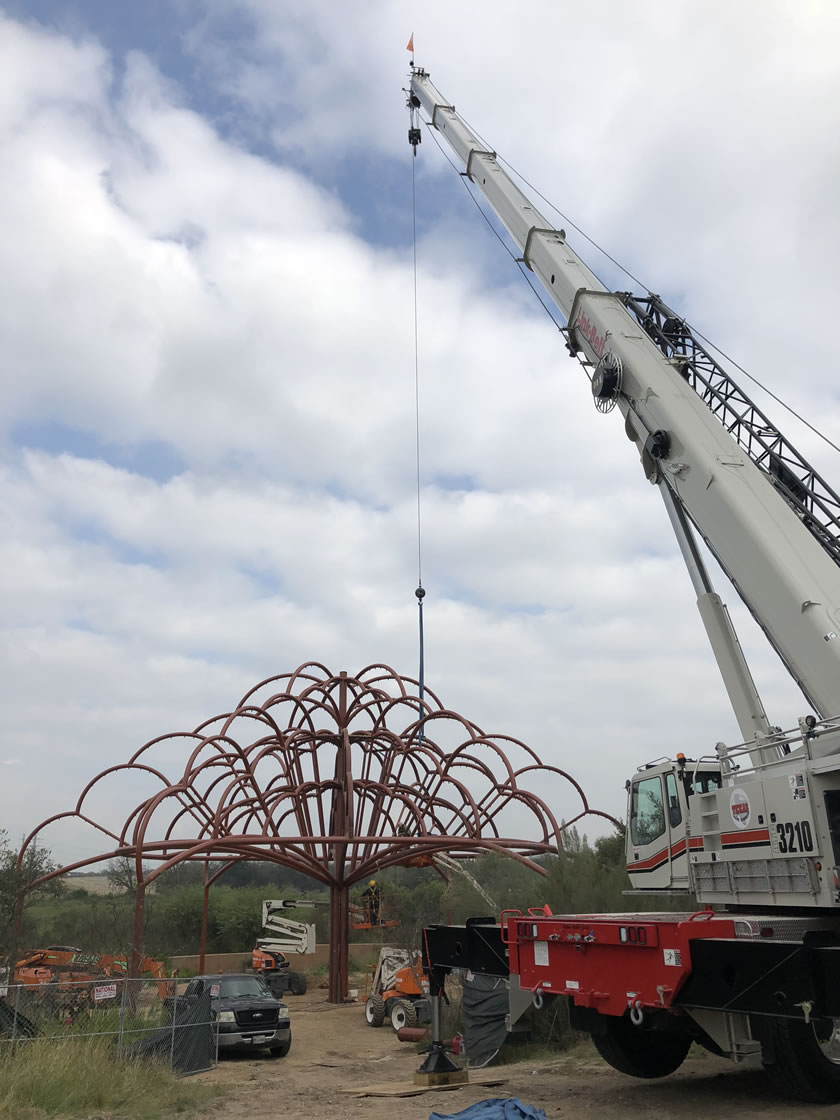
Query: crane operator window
x=705, y=781
x=647, y=811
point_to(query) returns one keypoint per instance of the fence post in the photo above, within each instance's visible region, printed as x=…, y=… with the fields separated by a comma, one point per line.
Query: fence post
x=174, y=1014
x=122, y=1016
x=15, y=1019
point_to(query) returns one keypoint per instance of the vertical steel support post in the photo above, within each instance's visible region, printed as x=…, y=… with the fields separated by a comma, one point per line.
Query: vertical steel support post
x=139, y=916
x=174, y=1014
x=339, y=938
x=122, y=1015
x=339, y=822
x=17, y=1007
x=205, y=904
x=437, y=1028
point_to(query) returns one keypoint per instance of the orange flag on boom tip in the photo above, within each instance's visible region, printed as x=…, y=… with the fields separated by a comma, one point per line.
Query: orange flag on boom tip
x=410, y=46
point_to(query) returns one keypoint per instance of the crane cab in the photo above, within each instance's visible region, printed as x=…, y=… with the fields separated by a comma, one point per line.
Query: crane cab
x=658, y=813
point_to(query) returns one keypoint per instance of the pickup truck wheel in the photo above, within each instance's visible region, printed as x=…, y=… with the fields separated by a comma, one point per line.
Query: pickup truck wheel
x=640, y=1053
x=403, y=1014
x=280, y=1051
x=375, y=1011
x=297, y=983
x=806, y=1060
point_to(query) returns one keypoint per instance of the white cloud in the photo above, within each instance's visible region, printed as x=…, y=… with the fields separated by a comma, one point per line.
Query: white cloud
x=159, y=283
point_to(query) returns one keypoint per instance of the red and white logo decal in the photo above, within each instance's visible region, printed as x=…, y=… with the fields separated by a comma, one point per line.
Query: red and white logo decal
x=590, y=332
x=739, y=808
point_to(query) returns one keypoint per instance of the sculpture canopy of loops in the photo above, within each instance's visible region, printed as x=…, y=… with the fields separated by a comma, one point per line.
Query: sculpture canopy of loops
x=331, y=775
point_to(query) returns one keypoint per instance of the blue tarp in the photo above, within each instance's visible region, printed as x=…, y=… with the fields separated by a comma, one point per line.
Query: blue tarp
x=498, y=1108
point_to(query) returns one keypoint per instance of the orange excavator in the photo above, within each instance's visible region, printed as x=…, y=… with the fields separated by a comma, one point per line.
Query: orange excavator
x=65, y=965
x=68, y=980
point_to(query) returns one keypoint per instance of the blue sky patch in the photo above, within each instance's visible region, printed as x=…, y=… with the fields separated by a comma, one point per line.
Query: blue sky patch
x=153, y=459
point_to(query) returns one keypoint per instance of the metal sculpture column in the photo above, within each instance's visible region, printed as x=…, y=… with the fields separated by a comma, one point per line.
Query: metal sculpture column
x=341, y=825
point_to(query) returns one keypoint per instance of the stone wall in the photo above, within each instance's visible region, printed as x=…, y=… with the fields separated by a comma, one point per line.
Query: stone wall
x=360, y=956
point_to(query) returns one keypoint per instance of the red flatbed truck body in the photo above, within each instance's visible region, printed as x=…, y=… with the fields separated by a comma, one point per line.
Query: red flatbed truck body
x=609, y=962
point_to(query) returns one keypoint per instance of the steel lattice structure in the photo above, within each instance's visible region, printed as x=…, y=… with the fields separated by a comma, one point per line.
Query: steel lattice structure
x=332, y=775
x=799, y=483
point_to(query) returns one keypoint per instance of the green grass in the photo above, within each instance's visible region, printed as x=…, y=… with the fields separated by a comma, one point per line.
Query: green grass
x=74, y=1077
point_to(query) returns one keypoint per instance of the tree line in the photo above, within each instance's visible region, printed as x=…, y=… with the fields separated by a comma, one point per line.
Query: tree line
x=584, y=878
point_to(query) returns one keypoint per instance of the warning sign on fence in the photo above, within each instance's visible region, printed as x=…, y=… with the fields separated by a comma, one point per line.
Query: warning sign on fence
x=104, y=991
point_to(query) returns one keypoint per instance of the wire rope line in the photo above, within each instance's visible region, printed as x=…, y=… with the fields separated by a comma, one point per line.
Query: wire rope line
x=416, y=370
x=636, y=280
x=420, y=592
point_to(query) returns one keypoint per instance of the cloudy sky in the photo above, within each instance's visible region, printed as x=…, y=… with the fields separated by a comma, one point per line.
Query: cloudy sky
x=206, y=316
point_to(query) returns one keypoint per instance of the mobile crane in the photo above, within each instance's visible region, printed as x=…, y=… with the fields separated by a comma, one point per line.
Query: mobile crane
x=752, y=830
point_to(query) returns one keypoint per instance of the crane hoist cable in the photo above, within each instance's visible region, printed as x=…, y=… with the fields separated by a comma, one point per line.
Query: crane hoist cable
x=414, y=137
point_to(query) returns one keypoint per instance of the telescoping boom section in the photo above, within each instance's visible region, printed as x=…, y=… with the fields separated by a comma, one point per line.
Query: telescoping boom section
x=751, y=830
x=787, y=577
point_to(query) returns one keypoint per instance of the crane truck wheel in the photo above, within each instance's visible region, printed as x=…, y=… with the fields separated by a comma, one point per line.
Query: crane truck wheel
x=640, y=1053
x=806, y=1060
x=403, y=1014
x=375, y=1011
x=297, y=983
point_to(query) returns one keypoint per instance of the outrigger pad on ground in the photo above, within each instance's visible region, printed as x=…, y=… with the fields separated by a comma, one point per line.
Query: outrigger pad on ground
x=497, y=1108
x=409, y=1089
x=442, y=1077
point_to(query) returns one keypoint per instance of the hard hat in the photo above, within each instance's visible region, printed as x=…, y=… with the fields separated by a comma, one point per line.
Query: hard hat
x=372, y=883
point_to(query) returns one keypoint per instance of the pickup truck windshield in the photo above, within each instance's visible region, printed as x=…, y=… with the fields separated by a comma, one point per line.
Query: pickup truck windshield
x=233, y=987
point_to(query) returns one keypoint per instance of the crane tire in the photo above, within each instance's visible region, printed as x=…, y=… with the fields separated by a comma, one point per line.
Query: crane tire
x=640, y=1053
x=806, y=1060
x=375, y=1011
x=403, y=1014
x=297, y=983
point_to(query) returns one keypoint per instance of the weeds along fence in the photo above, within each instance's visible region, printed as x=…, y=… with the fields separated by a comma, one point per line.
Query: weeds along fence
x=139, y=1018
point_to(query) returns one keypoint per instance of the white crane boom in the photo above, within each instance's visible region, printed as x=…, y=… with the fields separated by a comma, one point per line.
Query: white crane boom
x=753, y=830
x=786, y=577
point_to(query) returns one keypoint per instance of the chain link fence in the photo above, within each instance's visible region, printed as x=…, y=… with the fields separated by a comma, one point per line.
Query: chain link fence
x=142, y=1018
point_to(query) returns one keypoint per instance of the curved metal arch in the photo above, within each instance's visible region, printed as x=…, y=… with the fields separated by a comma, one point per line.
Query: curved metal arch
x=336, y=776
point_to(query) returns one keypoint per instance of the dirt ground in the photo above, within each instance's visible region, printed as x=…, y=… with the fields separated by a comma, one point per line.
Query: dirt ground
x=334, y=1049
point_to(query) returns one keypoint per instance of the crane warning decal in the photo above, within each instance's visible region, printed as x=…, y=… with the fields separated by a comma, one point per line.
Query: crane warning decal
x=739, y=808
x=797, y=787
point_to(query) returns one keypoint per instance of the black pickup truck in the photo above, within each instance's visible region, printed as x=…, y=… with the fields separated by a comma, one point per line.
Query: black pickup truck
x=245, y=1013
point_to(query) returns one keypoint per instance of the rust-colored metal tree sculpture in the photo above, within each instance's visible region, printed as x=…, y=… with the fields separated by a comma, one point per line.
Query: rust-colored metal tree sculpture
x=335, y=776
